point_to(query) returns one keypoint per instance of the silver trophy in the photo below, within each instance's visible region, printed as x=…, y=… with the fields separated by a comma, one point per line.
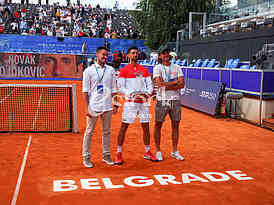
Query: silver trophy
x=140, y=84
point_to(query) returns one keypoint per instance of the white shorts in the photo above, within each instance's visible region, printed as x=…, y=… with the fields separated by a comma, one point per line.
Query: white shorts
x=133, y=110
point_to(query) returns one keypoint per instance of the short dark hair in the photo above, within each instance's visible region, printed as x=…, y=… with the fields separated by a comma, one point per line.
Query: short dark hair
x=101, y=48
x=132, y=48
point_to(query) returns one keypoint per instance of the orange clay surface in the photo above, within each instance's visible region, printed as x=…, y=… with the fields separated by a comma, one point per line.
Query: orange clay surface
x=208, y=145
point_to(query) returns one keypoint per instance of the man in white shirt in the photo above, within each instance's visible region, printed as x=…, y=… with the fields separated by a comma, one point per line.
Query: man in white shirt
x=99, y=86
x=169, y=79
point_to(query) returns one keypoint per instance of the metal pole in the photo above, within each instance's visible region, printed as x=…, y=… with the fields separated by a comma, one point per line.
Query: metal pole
x=220, y=75
x=186, y=72
x=261, y=97
x=190, y=26
x=75, y=112
x=204, y=24
x=230, y=79
x=177, y=41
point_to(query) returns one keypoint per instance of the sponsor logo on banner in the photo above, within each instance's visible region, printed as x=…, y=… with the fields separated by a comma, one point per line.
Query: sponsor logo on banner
x=201, y=95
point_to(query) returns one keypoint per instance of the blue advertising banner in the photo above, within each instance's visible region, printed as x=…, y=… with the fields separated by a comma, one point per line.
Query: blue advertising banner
x=69, y=45
x=201, y=95
x=210, y=74
x=250, y=81
x=268, y=85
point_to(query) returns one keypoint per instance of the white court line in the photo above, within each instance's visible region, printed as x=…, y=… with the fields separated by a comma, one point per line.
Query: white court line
x=16, y=191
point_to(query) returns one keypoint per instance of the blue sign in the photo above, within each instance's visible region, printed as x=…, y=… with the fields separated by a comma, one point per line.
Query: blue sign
x=66, y=45
x=201, y=95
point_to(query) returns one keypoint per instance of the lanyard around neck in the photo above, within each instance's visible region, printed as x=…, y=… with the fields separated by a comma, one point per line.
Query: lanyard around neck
x=167, y=73
x=100, y=78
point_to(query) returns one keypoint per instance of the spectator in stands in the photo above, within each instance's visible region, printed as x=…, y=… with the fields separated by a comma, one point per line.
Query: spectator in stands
x=124, y=56
x=72, y=16
x=117, y=59
x=24, y=32
x=23, y=26
x=107, y=34
x=99, y=85
x=14, y=27
x=7, y=13
x=114, y=35
x=23, y=12
x=32, y=30
x=49, y=32
x=142, y=55
x=169, y=79
x=2, y=29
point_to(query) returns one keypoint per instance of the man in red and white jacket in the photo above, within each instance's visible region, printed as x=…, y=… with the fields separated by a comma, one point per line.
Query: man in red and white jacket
x=135, y=84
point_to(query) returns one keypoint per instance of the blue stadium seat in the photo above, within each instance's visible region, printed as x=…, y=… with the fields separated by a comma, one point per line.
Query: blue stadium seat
x=253, y=67
x=217, y=66
x=245, y=66
x=211, y=63
x=183, y=63
x=205, y=62
x=235, y=63
x=178, y=61
x=228, y=63
x=198, y=63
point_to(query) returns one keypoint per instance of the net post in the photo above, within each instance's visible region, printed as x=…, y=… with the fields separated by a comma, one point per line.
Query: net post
x=74, y=104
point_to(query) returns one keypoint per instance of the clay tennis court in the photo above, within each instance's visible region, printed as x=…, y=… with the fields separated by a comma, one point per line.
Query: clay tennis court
x=240, y=155
x=227, y=161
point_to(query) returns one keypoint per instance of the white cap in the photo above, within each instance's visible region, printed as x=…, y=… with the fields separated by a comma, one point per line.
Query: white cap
x=173, y=54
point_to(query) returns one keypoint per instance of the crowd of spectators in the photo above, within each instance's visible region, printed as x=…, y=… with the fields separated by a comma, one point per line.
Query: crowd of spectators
x=75, y=20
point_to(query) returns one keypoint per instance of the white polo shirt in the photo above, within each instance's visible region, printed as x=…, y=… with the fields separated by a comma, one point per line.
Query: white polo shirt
x=167, y=73
x=105, y=77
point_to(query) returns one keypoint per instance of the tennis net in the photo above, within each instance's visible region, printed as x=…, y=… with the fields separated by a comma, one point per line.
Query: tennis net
x=38, y=108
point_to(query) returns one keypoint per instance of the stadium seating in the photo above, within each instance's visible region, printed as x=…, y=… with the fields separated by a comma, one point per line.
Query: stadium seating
x=245, y=67
x=122, y=23
x=217, y=65
x=211, y=63
x=205, y=62
x=228, y=63
x=197, y=63
x=256, y=16
x=178, y=61
x=183, y=62
x=235, y=63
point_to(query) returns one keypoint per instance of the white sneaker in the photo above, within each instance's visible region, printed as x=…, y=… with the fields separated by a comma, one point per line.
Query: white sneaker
x=177, y=156
x=86, y=161
x=108, y=160
x=159, y=156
